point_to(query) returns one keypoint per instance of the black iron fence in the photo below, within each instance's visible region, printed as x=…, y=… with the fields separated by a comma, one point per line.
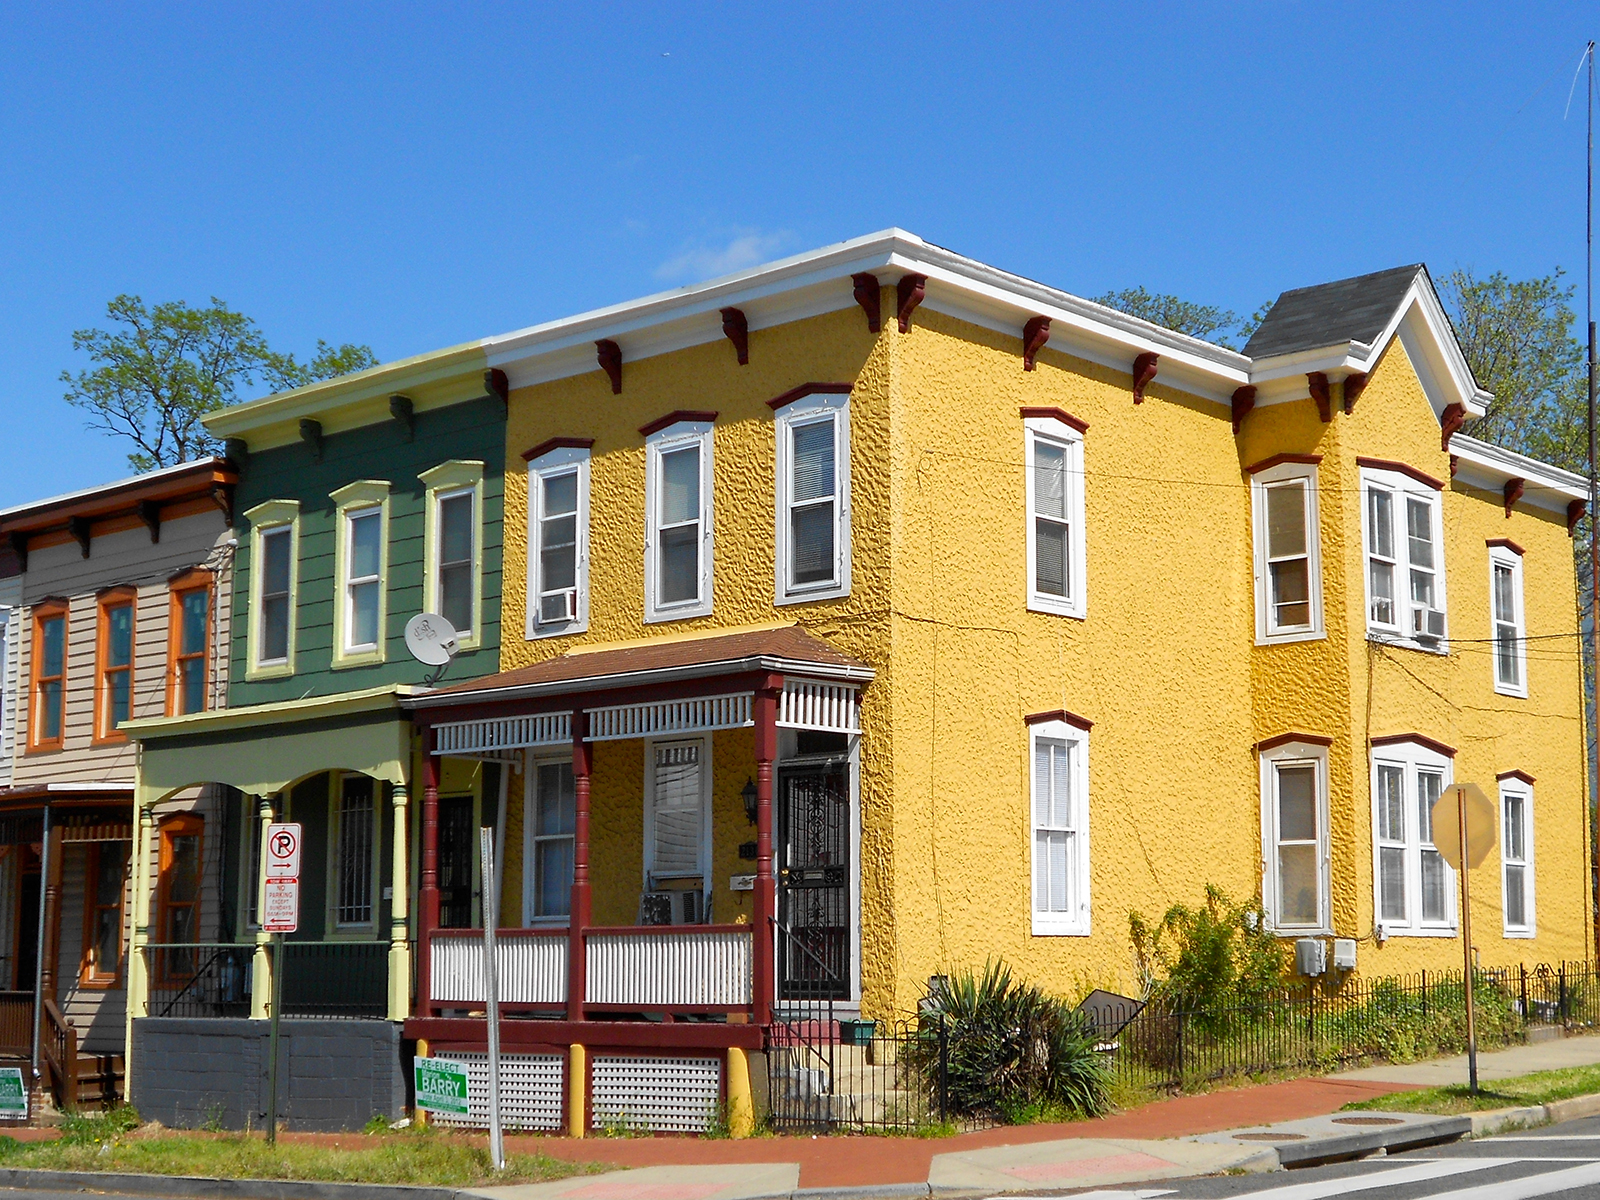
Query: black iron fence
x=827, y=1070
x=347, y=980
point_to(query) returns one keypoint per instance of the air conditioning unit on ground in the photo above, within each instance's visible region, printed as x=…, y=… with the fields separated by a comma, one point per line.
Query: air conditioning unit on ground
x=1427, y=624
x=673, y=908
x=558, y=606
x=1310, y=956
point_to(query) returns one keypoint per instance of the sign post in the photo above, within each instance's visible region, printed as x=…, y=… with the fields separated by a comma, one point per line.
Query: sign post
x=491, y=988
x=1463, y=833
x=281, y=916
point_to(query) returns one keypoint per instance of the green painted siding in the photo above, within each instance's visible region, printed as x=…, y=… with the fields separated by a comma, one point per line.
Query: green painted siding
x=473, y=430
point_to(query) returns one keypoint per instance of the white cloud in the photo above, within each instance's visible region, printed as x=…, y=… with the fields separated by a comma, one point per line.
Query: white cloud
x=744, y=248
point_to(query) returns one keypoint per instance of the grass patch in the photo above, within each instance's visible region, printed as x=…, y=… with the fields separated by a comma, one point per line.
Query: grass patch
x=1541, y=1087
x=115, y=1142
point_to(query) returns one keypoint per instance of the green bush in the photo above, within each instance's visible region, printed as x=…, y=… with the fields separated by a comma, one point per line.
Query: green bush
x=1013, y=1052
x=1208, y=959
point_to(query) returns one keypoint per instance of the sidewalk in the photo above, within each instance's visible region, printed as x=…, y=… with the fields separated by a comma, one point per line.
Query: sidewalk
x=1139, y=1144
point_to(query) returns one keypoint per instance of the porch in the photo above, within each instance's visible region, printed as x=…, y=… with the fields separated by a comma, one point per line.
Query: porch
x=668, y=806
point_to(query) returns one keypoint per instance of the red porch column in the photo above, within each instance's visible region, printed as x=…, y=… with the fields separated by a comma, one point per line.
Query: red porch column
x=578, y=921
x=764, y=985
x=428, y=898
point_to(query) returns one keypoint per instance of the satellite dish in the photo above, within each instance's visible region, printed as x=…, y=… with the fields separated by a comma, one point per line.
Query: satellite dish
x=431, y=639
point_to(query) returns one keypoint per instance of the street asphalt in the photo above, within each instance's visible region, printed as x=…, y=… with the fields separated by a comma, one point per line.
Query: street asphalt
x=1557, y=1160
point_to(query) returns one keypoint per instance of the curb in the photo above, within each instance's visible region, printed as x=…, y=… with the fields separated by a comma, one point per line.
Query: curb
x=1500, y=1119
x=1317, y=1151
x=224, y=1189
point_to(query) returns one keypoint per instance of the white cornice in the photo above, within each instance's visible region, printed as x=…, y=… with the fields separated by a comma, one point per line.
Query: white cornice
x=1480, y=464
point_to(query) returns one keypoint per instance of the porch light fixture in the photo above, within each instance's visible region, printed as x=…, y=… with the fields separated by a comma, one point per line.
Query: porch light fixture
x=748, y=794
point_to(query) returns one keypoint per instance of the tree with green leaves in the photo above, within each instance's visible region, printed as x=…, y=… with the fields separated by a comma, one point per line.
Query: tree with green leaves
x=157, y=371
x=1207, y=321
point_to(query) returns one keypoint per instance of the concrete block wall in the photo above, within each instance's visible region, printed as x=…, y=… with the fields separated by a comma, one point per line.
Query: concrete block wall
x=332, y=1075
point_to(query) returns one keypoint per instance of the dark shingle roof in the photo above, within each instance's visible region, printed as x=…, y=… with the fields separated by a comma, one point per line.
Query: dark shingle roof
x=1347, y=310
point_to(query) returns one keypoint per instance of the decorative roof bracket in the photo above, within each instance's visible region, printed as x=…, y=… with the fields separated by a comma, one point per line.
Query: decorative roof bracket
x=1034, y=335
x=737, y=330
x=1144, y=370
x=609, y=355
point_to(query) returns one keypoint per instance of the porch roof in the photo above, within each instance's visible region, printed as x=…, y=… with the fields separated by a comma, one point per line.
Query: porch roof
x=787, y=650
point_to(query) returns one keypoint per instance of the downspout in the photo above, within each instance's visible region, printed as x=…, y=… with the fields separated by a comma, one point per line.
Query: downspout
x=38, y=954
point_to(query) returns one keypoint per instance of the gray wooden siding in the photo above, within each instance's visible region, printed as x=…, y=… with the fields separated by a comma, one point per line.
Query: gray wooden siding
x=11, y=612
x=117, y=559
x=472, y=430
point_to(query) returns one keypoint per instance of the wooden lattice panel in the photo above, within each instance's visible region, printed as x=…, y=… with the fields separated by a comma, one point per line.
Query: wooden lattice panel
x=664, y=1095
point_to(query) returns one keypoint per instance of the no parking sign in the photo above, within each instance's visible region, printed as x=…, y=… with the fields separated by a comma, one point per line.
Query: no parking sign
x=281, y=913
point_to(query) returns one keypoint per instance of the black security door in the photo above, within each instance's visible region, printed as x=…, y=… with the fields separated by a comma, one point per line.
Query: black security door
x=456, y=849
x=813, y=867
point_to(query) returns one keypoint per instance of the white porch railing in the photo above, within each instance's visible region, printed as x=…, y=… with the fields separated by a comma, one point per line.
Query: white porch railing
x=532, y=967
x=689, y=966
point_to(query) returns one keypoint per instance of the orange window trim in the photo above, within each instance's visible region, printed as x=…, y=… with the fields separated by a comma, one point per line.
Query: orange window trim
x=179, y=588
x=43, y=613
x=180, y=825
x=107, y=600
x=90, y=973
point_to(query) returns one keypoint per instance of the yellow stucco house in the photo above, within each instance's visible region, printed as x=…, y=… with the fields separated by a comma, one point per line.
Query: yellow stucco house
x=1109, y=613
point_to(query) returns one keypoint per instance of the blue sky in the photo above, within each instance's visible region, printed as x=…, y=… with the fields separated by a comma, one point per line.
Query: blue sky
x=413, y=176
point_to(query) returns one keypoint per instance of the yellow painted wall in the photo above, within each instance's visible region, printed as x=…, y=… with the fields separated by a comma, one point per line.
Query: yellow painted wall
x=1165, y=664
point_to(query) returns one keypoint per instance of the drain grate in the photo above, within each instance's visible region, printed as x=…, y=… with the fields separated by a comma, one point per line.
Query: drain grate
x=1368, y=1121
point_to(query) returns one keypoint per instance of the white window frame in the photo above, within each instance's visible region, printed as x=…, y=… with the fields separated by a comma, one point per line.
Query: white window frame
x=677, y=436
x=1503, y=557
x=334, y=928
x=264, y=519
x=352, y=500
x=1523, y=791
x=1305, y=476
x=561, y=461
x=1059, y=433
x=1411, y=758
x=1295, y=754
x=531, y=838
x=1075, y=921
x=813, y=410
x=449, y=479
x=649, y=855
x=1403, y=487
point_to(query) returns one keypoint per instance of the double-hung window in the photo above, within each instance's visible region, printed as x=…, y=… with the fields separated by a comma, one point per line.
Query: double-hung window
x=678, y=543
x=178, y=908
x=361, y=560
x=453, y=547
x=46, y=725
x=1294, y=836
x=1402, y=535
x=552, y=809
x=678, y=812
x=355, y=857
x=188, y=643
x=1288, y=563
x=1516, y=854
x=558, y=540
x=813, y=498
x=1058, y=806
x=1509, y=621
x=113, y=663
x=105, y=876
x=274, y=576
x=1413, y=884
x=1054, y=473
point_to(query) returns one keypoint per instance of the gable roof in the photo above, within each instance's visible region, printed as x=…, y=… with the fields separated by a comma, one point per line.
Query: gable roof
x=1346, y=310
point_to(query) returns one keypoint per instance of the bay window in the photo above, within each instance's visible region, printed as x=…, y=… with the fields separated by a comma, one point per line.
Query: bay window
x=1402, y=535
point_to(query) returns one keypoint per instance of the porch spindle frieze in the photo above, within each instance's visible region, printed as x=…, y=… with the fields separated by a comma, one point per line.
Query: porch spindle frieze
x=812, y=704
x=700, y=715
x=502, y=737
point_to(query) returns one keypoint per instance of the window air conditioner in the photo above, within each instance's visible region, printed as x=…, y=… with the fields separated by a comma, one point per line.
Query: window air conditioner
x=673, y=908
x=558, y=606
x=1427, y=624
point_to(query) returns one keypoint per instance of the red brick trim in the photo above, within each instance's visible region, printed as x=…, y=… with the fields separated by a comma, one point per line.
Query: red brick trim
x=809, y=389
x=1283, y=739
x=1389, y=464
x=1507, y=544
x=1277, y=460
x=1515, y=774
x=1059, y=714
x=557, y=443
x=673, y=417
x=1394, y=739
x=1059, y=414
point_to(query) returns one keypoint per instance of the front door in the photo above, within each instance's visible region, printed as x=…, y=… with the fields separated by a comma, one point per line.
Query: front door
x=456, y=849
x=813, y=868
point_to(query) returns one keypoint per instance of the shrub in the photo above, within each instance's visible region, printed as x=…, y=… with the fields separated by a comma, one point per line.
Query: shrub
x=1013, y=1051
x=1207, y=959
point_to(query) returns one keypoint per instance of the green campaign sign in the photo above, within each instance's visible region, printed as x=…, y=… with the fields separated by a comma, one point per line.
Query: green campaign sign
x=13, y=1093
x=441, y=1086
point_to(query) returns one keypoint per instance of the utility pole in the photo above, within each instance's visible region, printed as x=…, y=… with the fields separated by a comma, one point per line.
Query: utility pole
x=1594, y=483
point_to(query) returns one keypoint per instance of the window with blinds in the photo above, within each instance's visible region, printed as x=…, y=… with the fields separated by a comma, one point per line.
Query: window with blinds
x=1059, y=818
x=356, y=840
x=677, y=811
x=1516, y=857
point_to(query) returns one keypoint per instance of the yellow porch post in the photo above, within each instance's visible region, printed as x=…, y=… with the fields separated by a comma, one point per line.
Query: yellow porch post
x=138, y=967
x=399, y=913
x=261, y=965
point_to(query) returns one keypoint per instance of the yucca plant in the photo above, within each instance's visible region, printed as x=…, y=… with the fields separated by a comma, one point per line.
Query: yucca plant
x=1011, y=1049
